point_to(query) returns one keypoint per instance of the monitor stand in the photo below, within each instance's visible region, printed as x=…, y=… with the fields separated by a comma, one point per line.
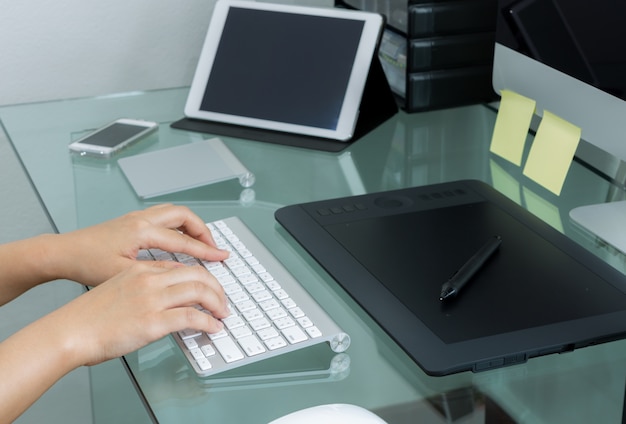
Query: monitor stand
x=607, y=221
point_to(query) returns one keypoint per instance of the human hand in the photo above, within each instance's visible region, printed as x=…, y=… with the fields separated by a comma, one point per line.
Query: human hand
x=95, y=254
x=139, y=305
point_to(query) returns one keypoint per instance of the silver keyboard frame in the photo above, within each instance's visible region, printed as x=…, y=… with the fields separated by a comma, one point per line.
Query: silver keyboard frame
x=332, y=334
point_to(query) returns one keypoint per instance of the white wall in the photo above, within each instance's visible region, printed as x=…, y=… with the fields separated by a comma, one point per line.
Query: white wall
x=54, y=49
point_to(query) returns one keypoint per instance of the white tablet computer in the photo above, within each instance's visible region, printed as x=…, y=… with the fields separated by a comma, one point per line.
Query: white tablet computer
x=286, y=68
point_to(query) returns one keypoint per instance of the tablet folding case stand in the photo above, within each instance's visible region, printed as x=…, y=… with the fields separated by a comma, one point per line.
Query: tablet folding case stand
x=377, y=105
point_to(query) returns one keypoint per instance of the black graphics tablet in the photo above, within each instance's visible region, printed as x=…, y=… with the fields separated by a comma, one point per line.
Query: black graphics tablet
x=539, y=293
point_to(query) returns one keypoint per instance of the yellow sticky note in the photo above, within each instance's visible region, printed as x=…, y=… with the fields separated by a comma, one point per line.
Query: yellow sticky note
x=552, y=152
x=511, y=128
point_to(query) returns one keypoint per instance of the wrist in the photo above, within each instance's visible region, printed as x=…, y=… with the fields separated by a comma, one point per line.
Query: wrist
x=52, y=257
x=61, y=257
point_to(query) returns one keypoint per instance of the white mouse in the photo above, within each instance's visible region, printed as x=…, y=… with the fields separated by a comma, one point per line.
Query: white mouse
x=337, y=413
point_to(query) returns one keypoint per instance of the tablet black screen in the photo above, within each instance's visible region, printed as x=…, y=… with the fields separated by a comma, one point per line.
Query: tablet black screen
x=288, y=68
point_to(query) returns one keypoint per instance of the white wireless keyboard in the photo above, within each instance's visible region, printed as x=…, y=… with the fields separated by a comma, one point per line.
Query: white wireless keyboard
x=271, y=313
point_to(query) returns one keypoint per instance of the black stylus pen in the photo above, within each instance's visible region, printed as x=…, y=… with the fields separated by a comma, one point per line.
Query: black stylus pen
x=466, y=272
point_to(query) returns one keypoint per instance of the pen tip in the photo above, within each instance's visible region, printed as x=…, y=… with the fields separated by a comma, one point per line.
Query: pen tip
x=447, y=293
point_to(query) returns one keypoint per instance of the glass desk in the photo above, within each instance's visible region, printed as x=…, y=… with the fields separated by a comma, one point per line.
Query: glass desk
x=582, y=386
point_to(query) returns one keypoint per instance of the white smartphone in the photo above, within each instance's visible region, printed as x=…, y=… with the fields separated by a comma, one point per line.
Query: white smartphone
x=111, y=138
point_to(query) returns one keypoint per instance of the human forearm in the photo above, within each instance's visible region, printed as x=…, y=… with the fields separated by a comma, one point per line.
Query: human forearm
x=25, y=264
x=31, y=361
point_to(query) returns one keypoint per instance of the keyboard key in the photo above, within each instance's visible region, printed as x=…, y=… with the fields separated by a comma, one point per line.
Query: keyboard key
x=273, y=286
x=233, y=321
x=228, y=349
x=294, y=335
x=275, y=343
x=269, y=304
x=238, y=297
x=247, y=279
x=259, y=269
x=160, y=255
x=296, y=312
x=186, y=259
x=239, y=246
x=218, y=335
x=204, y=364
x=266, y=277
x=210, y=265
x=144, y=255
x=240, y=332
x=274, y=314
x=279, y=293
x=262, y=296
x=253, y=314
x=219, y=272
x=196, y=353
x=305, y=322
x=252, y=260
x=288, y=303
x=251, y=345
x=285, y=322
x=225, y=279
x=190, y=343
x=219, y=224
x=225, y=230
x=255, y=287
x=246, y=305
x=259, y=324
x=244, y=253
x=267, y=333
x=241, y=271
x=314, y=332
x=234, y=262
x=231, y=289
x=207, y=350
x=185, y=334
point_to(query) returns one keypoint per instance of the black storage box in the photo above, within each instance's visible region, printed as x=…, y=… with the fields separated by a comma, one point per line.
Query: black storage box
x=436, y=53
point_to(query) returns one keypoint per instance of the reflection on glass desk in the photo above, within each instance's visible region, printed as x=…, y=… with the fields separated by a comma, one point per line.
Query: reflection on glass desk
x=408, y=150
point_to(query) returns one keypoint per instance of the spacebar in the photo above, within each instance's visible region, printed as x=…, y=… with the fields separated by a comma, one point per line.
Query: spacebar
x=228, y=349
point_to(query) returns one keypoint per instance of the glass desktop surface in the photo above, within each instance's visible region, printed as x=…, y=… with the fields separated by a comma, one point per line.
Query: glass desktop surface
x=408, y=150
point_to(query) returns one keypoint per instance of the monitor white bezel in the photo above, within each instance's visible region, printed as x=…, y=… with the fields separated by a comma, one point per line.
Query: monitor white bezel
x=348, y=116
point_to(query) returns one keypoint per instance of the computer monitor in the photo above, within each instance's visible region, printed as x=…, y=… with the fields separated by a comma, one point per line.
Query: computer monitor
x=569, y=56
